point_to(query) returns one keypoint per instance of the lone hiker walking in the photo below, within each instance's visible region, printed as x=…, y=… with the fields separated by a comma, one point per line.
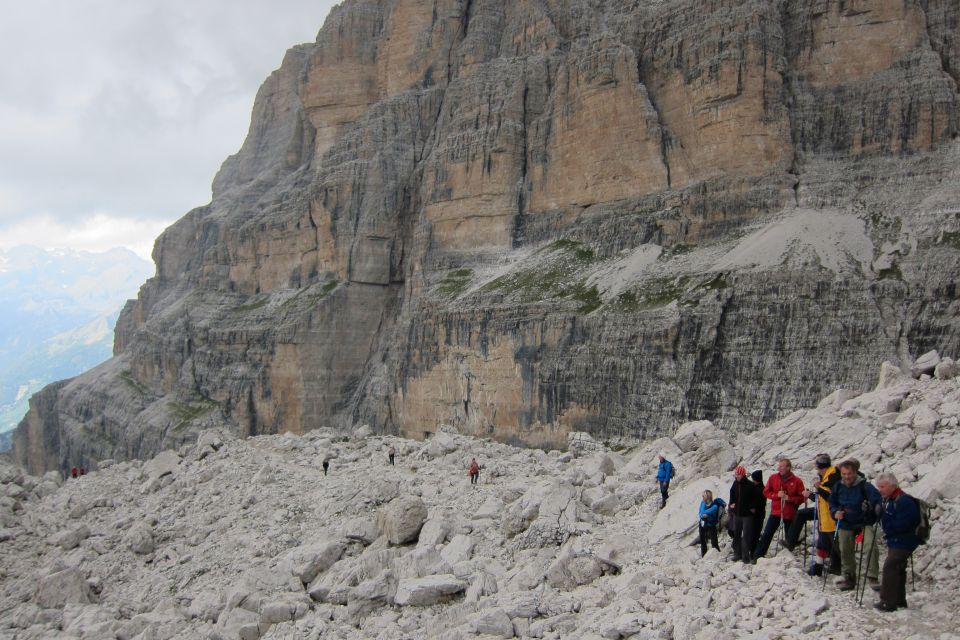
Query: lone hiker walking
x=326, y=465
x=474, y=471
x=665, y=473
x=391, y=455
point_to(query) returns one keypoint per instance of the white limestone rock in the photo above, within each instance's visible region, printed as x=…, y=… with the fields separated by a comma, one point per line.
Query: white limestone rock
x=166, y=462
x=925, y=364
x=493, y=622
x=71, y=538
x=401, y=520
x=946, y=369
x=307, y=562
x=139, y=539
x=63, y=587
x=429, y=590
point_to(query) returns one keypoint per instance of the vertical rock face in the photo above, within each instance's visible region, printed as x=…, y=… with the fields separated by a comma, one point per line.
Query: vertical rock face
x=533, y=217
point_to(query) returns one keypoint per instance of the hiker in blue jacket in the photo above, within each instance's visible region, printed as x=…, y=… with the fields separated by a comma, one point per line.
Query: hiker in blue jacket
x=709, y=520
x=854, y=504
x=900, y=518
x=664, y=473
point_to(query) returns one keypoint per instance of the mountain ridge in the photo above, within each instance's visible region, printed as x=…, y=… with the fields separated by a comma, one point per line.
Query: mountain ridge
x=439, y=213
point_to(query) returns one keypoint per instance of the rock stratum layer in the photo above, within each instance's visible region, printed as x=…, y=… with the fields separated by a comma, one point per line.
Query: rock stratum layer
x=534, y=217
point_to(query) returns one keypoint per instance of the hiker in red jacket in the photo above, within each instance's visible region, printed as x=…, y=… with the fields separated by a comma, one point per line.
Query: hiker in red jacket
x=474, y=471
x=785, y=493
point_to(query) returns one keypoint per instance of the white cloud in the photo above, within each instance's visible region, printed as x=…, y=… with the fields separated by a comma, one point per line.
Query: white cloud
x=98, y=232
x=129, y=107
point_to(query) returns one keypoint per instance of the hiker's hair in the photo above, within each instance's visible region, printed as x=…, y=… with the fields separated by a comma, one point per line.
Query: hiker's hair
x=708, y=495
x=853, y=465
x=887, y=478
x=787, y=460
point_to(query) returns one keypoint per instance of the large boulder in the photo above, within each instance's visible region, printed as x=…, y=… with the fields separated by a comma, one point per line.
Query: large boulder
x=690, y=434
x=165, y=462
x=140, y=539
x=946, y=369
x=61, y=588
x=494, y=622
x=71, y=538
x=939, y=482
x=925, y=364
x=401, y=520
x=308, y=561
x=430, y=590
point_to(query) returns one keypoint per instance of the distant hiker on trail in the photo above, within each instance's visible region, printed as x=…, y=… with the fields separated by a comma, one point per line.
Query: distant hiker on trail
x=709, y=520
x=474, y=471
x=854, y=504
x=746, y=507
x=665, y=473
x=825, y=525
x=392, y=455
x=900, y=517
x=785, y=492
x=326, y=465
x=83, y=471
x=73, y=472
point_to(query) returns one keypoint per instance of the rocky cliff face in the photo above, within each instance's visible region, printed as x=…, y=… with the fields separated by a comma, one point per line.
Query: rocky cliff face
x=530, y=217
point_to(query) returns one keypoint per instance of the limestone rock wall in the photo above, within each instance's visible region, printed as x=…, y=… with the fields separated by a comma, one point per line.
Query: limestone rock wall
x=533, y=217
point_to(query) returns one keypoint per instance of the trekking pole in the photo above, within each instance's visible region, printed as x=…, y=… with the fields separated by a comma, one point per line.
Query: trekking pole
x=862, y=589
x=780, y=535
x=913, y=576
x=828, y=561
x=804, y=545
x=859, y=567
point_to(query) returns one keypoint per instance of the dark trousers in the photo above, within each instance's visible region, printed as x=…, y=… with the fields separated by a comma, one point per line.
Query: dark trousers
x=708, y=532
x=743, y=537
x=664, y=492
x=769, y=530
x=893, y=582
x=473, y=478
x=391, y=458
x=796, y=528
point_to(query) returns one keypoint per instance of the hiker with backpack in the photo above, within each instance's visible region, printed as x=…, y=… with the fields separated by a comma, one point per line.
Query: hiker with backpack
x=710, y=513
x=784, y=490
x=854, y=504
x=665, y=473
x=825, y=525
x=474, y=471
x=746, y=508
x=906, y=525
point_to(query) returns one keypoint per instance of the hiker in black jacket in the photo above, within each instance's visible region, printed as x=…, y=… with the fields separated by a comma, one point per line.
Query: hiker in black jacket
x=746, y=505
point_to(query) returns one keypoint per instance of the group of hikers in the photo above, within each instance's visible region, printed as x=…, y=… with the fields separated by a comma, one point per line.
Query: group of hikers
x=845, y=514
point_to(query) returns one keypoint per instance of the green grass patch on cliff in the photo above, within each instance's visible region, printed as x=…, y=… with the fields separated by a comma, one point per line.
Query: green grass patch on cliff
x=950, y=239
x=455, y=282
x=653, y=294
x=185, y=413
x=251, y=306
x=133, y=384
x=557, y=274
x=675, y=250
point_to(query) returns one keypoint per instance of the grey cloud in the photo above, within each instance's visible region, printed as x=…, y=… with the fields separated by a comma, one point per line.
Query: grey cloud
x=130, y=107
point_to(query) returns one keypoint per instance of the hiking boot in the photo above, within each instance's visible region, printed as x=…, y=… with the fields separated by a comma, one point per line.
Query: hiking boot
x=815, y=570
x=882, y=606
x=846, y=584
x=874, y=584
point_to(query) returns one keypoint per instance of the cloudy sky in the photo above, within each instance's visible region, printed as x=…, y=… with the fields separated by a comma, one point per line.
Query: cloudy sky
x=115, y=115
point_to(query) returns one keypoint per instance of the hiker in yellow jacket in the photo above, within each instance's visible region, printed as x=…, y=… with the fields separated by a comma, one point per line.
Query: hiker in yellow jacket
x=825, y=525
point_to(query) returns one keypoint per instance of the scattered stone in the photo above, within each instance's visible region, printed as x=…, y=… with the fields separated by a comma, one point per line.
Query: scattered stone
x=61, y=588
x=429, y=590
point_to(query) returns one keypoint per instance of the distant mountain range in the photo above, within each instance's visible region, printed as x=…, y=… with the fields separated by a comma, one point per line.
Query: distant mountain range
x=59, y=310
